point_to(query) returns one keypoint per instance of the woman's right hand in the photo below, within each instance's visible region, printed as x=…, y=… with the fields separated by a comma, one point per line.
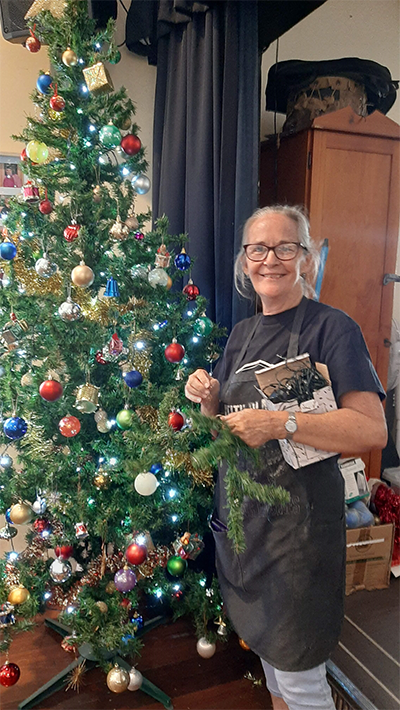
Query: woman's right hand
x=203, y=389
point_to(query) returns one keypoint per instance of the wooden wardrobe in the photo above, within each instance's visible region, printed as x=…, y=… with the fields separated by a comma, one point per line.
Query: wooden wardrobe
x=345, y=170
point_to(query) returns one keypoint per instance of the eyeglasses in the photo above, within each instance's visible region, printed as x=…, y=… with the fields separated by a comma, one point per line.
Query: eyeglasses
x=283, y=252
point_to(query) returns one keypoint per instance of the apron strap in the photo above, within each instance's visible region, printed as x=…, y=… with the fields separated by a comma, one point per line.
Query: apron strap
x=246, y=343
x=293, y=348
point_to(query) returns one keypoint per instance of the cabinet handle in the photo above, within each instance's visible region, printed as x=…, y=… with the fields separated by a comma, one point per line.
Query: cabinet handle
x=388, y=278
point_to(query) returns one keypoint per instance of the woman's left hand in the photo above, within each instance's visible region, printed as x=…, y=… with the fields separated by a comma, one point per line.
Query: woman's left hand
x=254, y=426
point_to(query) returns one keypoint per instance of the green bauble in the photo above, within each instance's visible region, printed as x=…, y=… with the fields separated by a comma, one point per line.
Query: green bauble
x=176, y=565
x=110, y=136
x=202, y=326
x=125, y=418
x=116, y=58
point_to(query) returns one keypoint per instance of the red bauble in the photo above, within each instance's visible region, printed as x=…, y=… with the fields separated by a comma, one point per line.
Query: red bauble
x=40, y=525
x=51, y=390
x=45, y=207
x=175, y=421
x=9, y=674
x=23, y=155
x=174, y=352
x=136, y=554
x=71, y=232
x=126, y=603
x=57, y=103
x=69, y=426
x=99, y=358
x=131, y=144
x=33, y=45
x=191, y=291
x=64, y=551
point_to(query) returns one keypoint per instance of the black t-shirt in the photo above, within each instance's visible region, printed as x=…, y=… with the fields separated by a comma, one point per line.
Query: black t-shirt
x=329, y=335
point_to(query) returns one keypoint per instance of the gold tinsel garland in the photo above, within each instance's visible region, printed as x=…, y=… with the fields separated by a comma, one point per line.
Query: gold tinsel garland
x=155, y=558
x=37, y=442
x=179, y=459
x=148, y=415
x=12, y=576
x=33, y=284
x=61, y=599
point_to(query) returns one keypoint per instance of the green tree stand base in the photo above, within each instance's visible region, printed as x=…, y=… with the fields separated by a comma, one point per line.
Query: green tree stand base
x=85, y=654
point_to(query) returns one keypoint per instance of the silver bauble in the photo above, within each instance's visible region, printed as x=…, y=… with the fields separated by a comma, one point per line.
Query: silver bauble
x=45, y=268
x=132, y=223
x=69, y=311
x=8, y=532
x=60, y=570
x=119, y=230
x=139, y=272
x=157, y=277
x=6, y=461
x=141, y=184
x=135, y=679
x=113, y=157
x=118, y=679
x=205, y=649
x=100, y=416
x=39, y=505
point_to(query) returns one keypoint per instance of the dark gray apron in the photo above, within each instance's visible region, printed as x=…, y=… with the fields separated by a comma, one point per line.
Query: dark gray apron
x=285, y=593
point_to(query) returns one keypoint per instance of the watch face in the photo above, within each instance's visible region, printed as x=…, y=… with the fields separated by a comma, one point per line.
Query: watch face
x=291, y=424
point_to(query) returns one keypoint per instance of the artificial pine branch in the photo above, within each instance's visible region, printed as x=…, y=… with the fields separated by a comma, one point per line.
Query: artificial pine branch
x=226, y=447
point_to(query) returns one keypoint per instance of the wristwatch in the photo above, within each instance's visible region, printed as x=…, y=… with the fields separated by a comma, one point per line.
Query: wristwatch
x=291, y=425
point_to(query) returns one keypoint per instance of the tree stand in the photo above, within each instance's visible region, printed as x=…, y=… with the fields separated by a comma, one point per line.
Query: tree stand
x=85, y=654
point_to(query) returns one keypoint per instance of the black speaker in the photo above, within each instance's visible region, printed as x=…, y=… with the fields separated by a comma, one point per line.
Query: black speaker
x=13, y=25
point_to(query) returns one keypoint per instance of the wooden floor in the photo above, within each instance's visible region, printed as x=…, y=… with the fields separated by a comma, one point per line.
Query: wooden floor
x=169, y=660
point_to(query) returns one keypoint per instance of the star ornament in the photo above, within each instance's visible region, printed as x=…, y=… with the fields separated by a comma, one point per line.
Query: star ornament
x=56, y=7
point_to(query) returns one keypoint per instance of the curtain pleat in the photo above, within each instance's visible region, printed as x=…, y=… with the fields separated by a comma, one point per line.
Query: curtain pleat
x=206, y=138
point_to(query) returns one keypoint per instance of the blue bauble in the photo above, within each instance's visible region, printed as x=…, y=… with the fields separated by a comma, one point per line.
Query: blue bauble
x=182, y=261
x=8, y=251
x=7, y=516
x=43, y=83
x=15, y=427
x=133, y=378
x=156, y=468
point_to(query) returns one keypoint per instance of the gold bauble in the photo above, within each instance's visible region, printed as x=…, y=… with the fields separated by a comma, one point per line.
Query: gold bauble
x=132, y=223
x=111, y=588
x=97, y=194
x=118, y=679
x=20, y=513
x=169, y=283
x=101, y=479
x=27, y=379
x=69, y=58
x=18, y=595
x=102, y=606
x=82, y=275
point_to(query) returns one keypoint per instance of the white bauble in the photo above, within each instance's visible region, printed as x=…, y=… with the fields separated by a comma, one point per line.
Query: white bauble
x=135, y=679
x=146, y=483
x=205, y=649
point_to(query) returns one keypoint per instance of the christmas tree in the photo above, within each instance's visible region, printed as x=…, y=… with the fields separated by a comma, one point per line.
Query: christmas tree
x=97, y=340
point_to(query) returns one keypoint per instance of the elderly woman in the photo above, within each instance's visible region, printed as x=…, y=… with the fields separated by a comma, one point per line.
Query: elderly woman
x=285, y=593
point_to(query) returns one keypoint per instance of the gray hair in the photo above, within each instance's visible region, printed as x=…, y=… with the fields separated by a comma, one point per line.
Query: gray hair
x=296, y=214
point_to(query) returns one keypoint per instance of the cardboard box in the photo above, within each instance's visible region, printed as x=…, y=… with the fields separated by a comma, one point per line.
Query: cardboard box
x=369, y=555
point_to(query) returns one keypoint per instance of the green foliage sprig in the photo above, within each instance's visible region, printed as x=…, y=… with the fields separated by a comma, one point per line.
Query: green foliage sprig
x=227, y=447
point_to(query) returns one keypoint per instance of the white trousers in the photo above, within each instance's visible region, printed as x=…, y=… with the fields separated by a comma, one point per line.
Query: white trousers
x=300, y=690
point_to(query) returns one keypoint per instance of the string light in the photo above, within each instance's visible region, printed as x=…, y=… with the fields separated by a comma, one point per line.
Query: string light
x=47, y=595
x=12, y=556
x=172, y=492
x=79, y=110
x=113, y=461
x=174, y=518
x=92, y=128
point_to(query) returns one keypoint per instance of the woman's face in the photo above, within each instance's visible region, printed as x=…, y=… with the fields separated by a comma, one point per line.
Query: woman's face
x=278, y=283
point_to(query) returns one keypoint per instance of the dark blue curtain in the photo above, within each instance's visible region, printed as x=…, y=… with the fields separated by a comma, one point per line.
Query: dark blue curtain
x=206, y=141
